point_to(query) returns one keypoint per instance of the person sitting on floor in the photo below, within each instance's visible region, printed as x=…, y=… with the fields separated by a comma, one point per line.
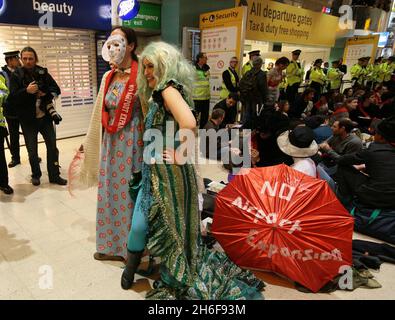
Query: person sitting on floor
x=300, y=145
x=342, y=142
x=320, y=125
x=229, y=105
x=375, y=188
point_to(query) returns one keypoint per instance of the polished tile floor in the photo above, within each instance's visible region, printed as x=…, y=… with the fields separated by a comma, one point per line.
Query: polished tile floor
x=47, y=241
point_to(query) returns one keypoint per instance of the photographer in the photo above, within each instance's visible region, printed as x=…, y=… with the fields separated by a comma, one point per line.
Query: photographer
x=32, y=91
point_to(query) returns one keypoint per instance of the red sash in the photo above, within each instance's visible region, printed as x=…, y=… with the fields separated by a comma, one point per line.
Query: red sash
x=123, y=113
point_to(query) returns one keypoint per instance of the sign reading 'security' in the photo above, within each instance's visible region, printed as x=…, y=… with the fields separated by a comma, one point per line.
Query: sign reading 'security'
x=277, y=22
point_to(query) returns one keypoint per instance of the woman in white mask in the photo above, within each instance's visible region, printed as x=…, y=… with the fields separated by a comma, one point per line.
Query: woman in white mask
x=112, y=150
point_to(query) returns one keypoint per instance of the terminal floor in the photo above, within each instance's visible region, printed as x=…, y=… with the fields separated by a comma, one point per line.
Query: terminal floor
x=44, y=229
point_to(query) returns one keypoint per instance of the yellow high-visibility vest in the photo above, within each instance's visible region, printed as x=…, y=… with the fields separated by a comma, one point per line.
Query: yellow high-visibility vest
x=224, y=91
x=294, y=73
x=201, y=87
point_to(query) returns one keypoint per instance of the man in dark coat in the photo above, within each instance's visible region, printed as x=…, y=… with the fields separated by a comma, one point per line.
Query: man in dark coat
x=375, y=188
x=229, y=105
x=32, y=90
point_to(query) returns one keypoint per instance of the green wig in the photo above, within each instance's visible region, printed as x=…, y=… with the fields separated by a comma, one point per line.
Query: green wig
x=169, y=64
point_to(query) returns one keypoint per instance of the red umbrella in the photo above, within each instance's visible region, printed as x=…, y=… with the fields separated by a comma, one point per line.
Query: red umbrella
x=281, y=220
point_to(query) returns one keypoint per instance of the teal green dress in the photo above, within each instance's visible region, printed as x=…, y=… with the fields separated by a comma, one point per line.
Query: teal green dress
x=188, y=269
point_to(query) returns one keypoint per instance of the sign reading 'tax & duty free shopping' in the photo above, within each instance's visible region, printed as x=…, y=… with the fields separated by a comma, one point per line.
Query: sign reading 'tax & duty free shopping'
x=222, y=38
x=277, y=22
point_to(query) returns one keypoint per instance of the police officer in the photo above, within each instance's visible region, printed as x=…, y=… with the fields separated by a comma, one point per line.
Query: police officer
x=201, y=89
x=387, y=69
x=13, y=62
x=359, y=73
x=32, y=91
x=230, y=79
x=317, y=78
x=294, y=76
x=3, y=133
x=248, y=66
x=335, y=76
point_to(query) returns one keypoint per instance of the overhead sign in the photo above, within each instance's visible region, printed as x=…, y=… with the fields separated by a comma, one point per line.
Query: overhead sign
x=148, y=17
x=77, y=14
x=222, y=37
x=277, y=22
x=128, y=9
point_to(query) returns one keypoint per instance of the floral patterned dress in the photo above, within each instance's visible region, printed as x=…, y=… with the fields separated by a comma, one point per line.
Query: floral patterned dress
x=121, y=155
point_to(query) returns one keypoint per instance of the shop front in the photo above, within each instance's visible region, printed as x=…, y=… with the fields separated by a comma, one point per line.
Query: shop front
x=63, y=32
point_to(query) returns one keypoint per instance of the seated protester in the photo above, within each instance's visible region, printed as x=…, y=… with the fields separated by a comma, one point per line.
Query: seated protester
x=365, y=112
x=320, y=107
x=279, y=120
x=376, y=188
x=348, y=93
x=229, y=105
x=342, y=142
x=378, y=92
x=303, y=102
x=300, y=145
x=387, y=108
x=343, y=110
x=321, y=128
x=214, y=123
x=267, y=133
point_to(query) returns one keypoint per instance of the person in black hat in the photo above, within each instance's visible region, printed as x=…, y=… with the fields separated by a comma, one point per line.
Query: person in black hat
x=13, y=62
x=248, y=66
x=294, y=76
x=376, y=188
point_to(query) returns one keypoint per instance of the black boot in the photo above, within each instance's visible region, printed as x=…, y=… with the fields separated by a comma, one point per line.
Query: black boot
x=134, y=259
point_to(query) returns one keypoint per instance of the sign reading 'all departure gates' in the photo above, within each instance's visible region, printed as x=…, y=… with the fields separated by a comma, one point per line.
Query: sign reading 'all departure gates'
x=277, y=22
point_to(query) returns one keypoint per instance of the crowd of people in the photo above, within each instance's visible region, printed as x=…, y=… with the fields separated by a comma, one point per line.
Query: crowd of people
x=309, y=122
x=149, y=200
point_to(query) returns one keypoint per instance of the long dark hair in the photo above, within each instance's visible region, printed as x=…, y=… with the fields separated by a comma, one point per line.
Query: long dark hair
x=131, y=37
x=30, y=49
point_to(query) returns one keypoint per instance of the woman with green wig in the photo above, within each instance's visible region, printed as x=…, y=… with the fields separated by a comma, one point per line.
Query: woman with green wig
x=166, y=216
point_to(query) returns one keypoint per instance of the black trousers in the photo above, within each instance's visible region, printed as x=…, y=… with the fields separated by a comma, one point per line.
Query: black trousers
x=3, y=164
x=30, y=133
x=349, y=180
x=13, y=129
x=202, y=108
x=292, y=92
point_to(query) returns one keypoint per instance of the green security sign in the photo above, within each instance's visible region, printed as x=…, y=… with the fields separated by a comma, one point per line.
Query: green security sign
x=149, y=17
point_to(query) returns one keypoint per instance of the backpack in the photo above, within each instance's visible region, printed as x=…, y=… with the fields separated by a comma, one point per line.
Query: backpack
x=248, y=85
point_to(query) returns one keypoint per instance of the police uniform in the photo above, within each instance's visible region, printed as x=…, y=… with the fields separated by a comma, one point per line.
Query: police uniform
x=11, y=116
x=359, y=73
x=294, y=77
x=335, y=76
x=248, y=66
x=318, y=79
x=3, y=133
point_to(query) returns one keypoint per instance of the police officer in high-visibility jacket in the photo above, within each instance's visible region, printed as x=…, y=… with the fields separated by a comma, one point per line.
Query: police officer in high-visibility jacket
x=317, y=78
x=359, y=73
x=387, y=69
x=248, y=66
x=230, y=79
x=4, y=187
x=335, y=76
x=294, y=78
x=201, y=89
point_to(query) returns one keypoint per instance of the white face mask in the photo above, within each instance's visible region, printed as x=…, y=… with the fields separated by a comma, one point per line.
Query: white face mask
x=114, y=49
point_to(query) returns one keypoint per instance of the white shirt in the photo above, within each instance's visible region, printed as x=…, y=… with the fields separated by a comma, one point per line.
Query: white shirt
x=306, y=166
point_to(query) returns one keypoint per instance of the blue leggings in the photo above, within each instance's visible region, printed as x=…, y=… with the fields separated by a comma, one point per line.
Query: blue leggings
x=138, y=231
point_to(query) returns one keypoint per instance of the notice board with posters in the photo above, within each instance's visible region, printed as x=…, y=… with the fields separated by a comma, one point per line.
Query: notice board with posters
x=276, y=22
x=359, y=47
x=222, y=37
